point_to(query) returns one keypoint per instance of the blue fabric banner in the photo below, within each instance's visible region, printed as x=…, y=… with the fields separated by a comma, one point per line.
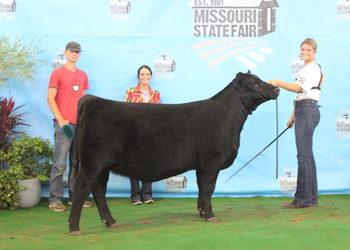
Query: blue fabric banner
x=195, y=48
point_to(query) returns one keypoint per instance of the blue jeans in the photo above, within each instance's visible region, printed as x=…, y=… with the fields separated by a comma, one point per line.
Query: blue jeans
x=307, y=117
x=143, y=194
x=63, y=146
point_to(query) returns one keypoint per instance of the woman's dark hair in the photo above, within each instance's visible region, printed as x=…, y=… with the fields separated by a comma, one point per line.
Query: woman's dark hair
x=143, y=66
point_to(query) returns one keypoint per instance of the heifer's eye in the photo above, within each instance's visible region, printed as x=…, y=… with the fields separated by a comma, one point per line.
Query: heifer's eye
x=257, y=86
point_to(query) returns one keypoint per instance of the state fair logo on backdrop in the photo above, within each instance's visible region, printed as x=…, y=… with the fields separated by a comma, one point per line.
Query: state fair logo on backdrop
x=7, y=7
x=119, y=10
x=288, y=181
x=297, y=64
x=176, y=184
x=343, y=10
x=343, y=124
x=59, y=59
x=164, y=65
x=233, y=27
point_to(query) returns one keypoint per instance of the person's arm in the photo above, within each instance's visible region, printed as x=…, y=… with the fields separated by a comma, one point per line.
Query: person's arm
x=126, y=98
x=291, y=121
x=52, y=92
x=293, y=87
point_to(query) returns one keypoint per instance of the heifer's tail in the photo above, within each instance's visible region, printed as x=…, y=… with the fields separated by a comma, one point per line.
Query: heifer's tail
x=76, y=161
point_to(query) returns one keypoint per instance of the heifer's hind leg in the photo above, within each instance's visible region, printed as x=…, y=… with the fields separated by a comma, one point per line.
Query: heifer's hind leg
x=99, y=193
x=82, y=189
x=207, y=187
x=200, y=194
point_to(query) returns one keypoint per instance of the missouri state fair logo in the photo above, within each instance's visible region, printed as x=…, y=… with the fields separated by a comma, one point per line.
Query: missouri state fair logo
x=119, y=10
x=297, y=64
x=288, y=181
x=164, y=65
x=176, y=183
x=343, y=124
x=7, y=7
x=59, y=59
x=233, y=27
x=343, y=10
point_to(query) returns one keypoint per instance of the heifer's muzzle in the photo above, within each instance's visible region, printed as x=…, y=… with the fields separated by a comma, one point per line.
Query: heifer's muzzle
x=269, y=92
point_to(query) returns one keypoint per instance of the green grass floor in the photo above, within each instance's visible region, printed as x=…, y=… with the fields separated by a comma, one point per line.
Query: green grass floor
x=244, y=223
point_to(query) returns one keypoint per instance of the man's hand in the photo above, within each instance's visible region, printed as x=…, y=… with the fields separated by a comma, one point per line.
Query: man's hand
x=63, y=122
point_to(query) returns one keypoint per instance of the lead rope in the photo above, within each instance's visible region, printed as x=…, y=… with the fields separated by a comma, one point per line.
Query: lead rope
x=277, y=138
x=264, y=150
x=257, y=154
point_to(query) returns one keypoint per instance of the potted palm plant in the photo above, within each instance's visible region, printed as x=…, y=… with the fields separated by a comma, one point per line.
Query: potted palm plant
x=25, y=161
x=19, y=60
x=8, y=183
x=29, y=160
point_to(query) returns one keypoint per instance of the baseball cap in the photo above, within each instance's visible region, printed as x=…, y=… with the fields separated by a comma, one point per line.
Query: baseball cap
x=73, y=46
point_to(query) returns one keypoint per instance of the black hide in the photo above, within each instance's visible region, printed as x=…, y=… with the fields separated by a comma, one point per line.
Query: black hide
x=152, y=142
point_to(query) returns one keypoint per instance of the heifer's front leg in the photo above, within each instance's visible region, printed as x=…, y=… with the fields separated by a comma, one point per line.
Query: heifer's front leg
x=82, y=189
x=99, y=193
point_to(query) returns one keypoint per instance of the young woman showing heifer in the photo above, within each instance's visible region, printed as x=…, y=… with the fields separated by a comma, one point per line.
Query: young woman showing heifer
x=306, y=117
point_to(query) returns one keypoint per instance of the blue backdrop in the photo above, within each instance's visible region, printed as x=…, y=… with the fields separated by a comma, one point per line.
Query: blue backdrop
x=195, y=48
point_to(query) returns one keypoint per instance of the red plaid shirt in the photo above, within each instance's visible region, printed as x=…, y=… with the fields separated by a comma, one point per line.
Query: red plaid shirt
x=134, y=95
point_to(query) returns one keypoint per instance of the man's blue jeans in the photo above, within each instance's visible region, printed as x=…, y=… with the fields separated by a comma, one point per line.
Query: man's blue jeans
x=63, y=146
x=307, y=117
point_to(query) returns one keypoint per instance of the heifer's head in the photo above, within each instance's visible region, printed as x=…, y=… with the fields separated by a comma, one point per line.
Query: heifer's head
x=254, y=89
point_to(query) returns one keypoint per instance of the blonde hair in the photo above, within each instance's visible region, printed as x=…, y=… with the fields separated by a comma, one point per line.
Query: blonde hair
x=311, y=42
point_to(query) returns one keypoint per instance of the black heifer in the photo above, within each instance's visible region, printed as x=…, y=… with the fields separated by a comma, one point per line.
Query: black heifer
x=153, y=142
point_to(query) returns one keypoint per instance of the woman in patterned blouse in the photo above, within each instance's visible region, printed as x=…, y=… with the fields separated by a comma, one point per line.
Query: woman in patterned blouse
x=142, y=93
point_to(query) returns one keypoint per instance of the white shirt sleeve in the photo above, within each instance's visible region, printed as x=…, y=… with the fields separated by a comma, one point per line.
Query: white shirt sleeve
x=309, y=77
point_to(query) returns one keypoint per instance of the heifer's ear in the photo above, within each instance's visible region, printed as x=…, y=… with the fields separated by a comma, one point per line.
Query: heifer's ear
x=240, y=81
x=248, y=72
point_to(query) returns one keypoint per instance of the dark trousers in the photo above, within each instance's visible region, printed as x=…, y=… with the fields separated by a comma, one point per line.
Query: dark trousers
x=143, y=194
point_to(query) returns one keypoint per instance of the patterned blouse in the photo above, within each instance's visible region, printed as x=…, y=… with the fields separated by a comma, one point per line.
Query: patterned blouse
x=134, y=95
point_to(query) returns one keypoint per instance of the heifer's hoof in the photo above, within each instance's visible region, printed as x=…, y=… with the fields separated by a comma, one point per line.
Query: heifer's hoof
x=75, y=233
x=115, y=225
x=201, y=212
x=212, y=219
x=112, y=224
